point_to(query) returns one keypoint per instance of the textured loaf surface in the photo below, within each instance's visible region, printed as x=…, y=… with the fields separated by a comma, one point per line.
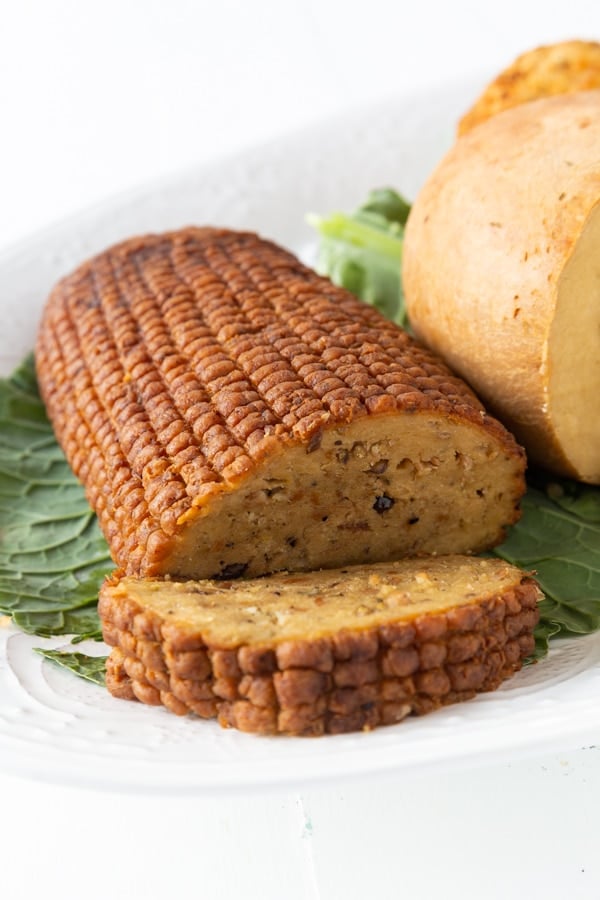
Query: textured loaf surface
x=232, y=413
x=323, y=652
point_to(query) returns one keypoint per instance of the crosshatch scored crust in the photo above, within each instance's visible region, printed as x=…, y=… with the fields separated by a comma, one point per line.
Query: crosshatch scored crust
x=232, y=413
x=323, y=652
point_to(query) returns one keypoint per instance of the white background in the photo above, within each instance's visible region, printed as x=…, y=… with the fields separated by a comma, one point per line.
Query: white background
x=96, y=98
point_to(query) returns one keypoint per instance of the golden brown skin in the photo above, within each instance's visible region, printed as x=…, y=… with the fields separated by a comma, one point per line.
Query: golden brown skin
x=562, y=68
x=365, y=646
x=181, y=369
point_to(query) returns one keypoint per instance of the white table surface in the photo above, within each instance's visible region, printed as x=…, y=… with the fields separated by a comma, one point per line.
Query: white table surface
x=98, y=97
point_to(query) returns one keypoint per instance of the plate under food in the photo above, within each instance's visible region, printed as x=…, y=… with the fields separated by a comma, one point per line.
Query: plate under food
x=56, y=727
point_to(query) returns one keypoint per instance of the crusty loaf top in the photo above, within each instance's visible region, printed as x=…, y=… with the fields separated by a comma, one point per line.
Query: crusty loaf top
x=170, y=364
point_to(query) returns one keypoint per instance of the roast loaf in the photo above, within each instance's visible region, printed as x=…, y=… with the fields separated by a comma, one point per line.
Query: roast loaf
x=231, y=413
x=324, y=652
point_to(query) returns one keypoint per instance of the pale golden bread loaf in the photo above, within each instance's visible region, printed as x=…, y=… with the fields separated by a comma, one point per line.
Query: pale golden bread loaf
x=501, y=273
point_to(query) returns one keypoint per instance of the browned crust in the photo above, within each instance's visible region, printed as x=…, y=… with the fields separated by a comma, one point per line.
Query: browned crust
x=172, y=364
x=350, y=681
x=562, y=68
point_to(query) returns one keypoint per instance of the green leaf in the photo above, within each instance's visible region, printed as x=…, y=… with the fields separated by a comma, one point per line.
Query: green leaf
x=544, y=632
x=576, y=498
x=53, y=557
x=25, y=379
x=558, y=537
x=581, y=616
x=388, y=204
x=362, y=251
x=79, y=622
x=92, y=668
x=93, y=635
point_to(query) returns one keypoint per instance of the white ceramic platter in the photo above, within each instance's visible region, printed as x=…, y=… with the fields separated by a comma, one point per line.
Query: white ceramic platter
x=56, y=727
